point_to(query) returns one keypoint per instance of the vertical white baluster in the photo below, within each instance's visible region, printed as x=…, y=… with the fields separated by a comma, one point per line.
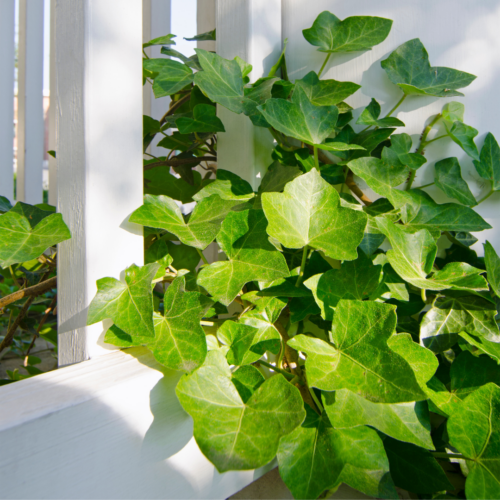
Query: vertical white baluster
x=30, y=102
x=205, y=20
x=52, y=108
x=7, y=98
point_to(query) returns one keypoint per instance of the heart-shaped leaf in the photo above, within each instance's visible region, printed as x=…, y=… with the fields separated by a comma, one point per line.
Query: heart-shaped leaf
x=204, y=120
x=228, y=186
x=464, y=135
x=277, y=177
x=398, y=154
x=448, y=178
x=409, y=68
x=325, y=92
x=370, y=115
x=488, y=165
x=169, y=76
x=352, y=34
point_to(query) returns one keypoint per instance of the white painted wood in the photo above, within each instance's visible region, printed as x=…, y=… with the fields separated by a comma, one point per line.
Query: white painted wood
x=110, y=427
x=7, y=12
x=250, y=29
x=30, y=139
x=99, y=148
x=52, y=108
x=469, y=43
x=205, y=21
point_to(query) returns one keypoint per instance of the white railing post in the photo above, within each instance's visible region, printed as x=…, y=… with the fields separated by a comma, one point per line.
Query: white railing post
x=205, y=21
x=99, y=157
x=52, y=107
x=250, y=29
x=30, y=127
x=7, y=98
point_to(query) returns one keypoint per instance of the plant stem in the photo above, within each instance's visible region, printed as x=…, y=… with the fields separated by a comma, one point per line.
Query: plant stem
x=435, y=139
x=324, y=64
x=438, y=454
x=425, y=185
x=203, y=258
x=287, y=375
x=14, y=277
x=145, y=55
x=486, y=197
x=396, y=106
x=35, y=290
x=316, y=400
x=422, y=294
x=316, y=159
x=302, y=266
x=12, y=330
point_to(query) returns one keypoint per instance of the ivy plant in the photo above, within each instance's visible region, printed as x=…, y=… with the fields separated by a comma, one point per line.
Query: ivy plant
x=330, y=333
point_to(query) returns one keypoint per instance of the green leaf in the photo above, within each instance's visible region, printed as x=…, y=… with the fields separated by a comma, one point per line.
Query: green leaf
x=316, y=457
x=398, y=154
x=180, y=342
x=493, y=267
x=355, y=280
x=370, y=115
x=202, y=226
x=23, y=238
x=232, y=434
x=300, y=118
x=5, y=204
x=176, y=141
x=159, y=180
x=129, y=304
x=464, y=135
x=407, y=422
x=161, y=40
x=453, y=112
x=309, y=213
x=203, y=37
x=228, y=186
x=255, y=96
x=409, y=68
x=244, y=240
x=247, y=379
x=204, y=120
x=361, y=360
x=488, y=165
x=448, y=178
x=172, y=76
x=352, y=34
x=451, y=315
x=492, y=349
x=415, y=469
x=277, y=177
x=33, y=213
x=326, y=92
x=474, y=430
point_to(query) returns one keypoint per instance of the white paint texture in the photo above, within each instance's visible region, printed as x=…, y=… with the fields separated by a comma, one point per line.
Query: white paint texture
x=250, y=29
x=456, y=33
x=52, y=121
x=30, y=140
x=7, y=98
x=99, y=94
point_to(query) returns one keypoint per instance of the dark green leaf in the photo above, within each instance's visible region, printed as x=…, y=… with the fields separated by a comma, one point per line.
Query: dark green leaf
x=490, y=348
x=5, y=204
x=325, y=92
x=204, y=120
x=398, y=154
x=247, y=379
x=277, y=177
x=464, y=135
x=488, y=166
x=172, y=76
x=493, y=267
x=202, y=37
x=161, y=40
x=370, y=115
x=448, y=178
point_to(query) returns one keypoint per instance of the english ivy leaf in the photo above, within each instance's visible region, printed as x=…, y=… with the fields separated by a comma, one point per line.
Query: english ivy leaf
x=492, y=349
x=129, y=304
x=244, y=240
x=228, y=186
x=255, y=96
x=448, y=178
x=488, y=165
x=398, y=153
x=464, y=135
x=361, y=360
x=415, y=469
x=161, y=40
x=309, y=213
x=352, y=34
x=326, y=92
x=371, y=242
x=409, y=68
x=277, y=177
x=474, y=430
x=355, y=280
x=453, y=112
x=300, y=118
x=5, y=204
x=370, y=115
x=184, y=256
x=204, y=120
x=232, y=434
x=493, y=267
x=202, y=226
x=168, y=51
x=171, y=77
x=451, y=315
x=247, y=379
x=316, y=457
x=407, y=422
x=176, y=141
x=464, y=238
x=180, y=342
x=22, y=240
x=202, y=37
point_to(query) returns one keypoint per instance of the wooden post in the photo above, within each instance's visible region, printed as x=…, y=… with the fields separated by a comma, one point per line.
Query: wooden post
x=7, y=98
x=30, y=102
x=205, y=21
x=52, y=107
x=99, y=157
x=250, y=29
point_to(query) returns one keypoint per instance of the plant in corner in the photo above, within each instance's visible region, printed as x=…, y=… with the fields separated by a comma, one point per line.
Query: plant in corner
x=350, y=363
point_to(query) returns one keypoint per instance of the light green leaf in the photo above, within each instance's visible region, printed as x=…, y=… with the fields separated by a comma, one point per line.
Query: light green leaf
x=309, y=213
x=352, y=34
x=228, y=186
x=244, y=240
x=464, y=135
x=326, y=92
x=370, y=115
x=24, y=238
x=247, y=379
x=398, y=154
x=488, y=166
x=202, y=226
x=204, y=120
x=161, y=40
x=232, y=434
x=451, y=315
x=448, y=178
x=170, y=76
x=492, y=349
x=316, y=457
x=361, y=360
x=129, y=304
x=277, y=177
x=409, y=68
x=407, y=422
x=493, y=267
x=453, y=112
x=474, y=430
